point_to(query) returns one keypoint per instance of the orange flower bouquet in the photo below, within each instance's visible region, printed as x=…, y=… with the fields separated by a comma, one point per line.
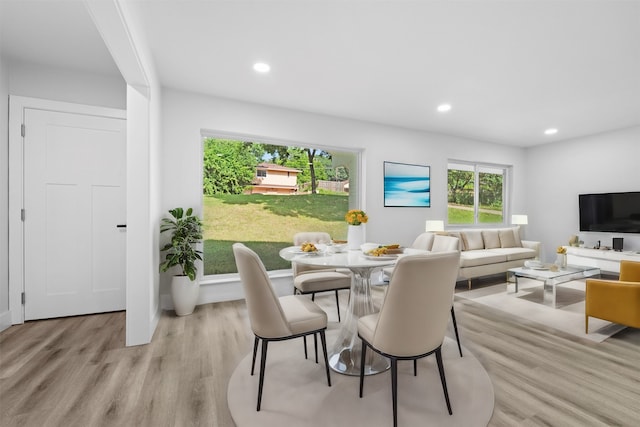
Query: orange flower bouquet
x=356, y=217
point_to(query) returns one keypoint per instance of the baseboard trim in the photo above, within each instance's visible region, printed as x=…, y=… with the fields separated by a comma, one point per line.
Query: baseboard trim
x=229, y=288
x=5, y=320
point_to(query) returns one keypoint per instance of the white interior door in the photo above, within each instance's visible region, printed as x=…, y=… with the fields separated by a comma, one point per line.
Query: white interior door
x=75, y=212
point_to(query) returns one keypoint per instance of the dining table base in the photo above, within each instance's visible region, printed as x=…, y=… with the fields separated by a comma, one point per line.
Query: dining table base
x=345, y=354
x=347, y=361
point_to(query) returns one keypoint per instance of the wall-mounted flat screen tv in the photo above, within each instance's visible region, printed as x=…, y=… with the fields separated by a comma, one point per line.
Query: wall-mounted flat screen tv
x=610, y=212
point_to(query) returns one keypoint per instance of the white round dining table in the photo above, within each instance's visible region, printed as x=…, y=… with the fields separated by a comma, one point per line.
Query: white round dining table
x=344, y=355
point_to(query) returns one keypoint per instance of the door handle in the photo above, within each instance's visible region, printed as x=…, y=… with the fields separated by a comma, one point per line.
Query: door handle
x=121, y=226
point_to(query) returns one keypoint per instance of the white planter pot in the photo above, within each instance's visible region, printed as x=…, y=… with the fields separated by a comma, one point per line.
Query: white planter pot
x=185, y=294
x=355, y=237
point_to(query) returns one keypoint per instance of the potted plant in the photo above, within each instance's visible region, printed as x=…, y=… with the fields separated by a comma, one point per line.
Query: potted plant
x=181, y=251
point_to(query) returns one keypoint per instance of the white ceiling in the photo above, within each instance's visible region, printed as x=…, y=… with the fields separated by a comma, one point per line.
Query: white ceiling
x=510, y=69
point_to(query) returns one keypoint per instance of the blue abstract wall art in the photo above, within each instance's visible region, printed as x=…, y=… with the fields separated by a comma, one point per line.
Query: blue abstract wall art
x=406, y=185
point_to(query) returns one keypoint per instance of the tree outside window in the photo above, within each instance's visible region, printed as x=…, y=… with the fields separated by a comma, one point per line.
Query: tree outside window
x=476, y=193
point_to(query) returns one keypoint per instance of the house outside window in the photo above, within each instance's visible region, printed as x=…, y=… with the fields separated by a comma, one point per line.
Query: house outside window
x=476, y=193
x=275, y=179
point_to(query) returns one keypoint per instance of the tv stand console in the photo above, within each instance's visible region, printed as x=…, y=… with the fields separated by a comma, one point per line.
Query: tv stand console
x=605, y=260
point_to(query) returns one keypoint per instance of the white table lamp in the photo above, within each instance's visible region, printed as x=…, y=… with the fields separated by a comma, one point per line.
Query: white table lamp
x=434, y=225
x=519, y=220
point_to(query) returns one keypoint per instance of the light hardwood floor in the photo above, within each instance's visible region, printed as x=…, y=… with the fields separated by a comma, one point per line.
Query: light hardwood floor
x=76, y=371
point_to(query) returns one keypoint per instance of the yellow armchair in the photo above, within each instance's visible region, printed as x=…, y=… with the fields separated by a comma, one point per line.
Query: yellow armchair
x=617, y=301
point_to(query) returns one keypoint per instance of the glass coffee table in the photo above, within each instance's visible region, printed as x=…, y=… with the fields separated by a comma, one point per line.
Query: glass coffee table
x=552, y=276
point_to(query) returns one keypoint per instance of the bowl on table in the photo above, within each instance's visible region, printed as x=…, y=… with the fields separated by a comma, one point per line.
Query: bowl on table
x=368, y=247
x=338, y=247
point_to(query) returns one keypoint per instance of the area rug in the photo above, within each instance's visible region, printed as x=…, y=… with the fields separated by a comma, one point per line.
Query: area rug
x=527, y=303
x=296, y=392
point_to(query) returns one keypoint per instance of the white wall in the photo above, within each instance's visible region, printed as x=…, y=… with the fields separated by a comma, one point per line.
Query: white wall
x=559, y=172
x=5, y=318
x=119, y=27
x=186, y=115
x=57, y=84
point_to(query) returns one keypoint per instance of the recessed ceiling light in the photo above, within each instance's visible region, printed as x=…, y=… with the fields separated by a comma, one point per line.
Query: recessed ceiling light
x=551, y=131
x=443, y=108
x=261, y=67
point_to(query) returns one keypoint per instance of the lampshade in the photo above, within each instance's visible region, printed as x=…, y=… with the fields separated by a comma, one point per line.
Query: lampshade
x=519, y=219
x=434, y=225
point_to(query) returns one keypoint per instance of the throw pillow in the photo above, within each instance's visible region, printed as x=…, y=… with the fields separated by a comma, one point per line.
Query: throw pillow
x=516, y=235
x=507, y=239
x=472, y=240
x=444, y=243
x=491, y=239
x=458, y=236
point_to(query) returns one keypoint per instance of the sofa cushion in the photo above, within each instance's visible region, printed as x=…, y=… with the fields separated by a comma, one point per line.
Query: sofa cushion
x=480, y=257
x=514, y=254
x=491, y=239
x=507, y=239
x=444, y=243
x=472, y=240
x=516, y=234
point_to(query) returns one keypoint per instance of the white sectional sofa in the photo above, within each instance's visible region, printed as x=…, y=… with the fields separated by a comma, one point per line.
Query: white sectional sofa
x=492, y=251
x=483, y=252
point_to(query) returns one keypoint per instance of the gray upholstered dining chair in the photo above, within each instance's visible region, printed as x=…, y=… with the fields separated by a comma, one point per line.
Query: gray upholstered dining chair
x=312, y=280
x=274, y=318
x=412, y=321
x=436, y=243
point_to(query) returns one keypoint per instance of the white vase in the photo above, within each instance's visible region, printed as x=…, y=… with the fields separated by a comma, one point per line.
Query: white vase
x=185, y=294
x=355, y=237
x=561, y=260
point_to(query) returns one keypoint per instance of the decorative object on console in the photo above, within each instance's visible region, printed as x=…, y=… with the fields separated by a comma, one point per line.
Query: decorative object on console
x=573, y=241
x=406, y=185
x=618, y=243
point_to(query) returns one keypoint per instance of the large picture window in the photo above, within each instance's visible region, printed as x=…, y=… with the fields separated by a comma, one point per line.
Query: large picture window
x=262, y=194
x=476, y=193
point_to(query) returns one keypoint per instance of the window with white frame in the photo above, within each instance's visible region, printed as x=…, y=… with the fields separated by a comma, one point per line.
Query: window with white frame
x=476, y=193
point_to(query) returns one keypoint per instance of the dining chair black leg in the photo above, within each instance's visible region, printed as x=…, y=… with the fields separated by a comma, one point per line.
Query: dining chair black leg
x=394, y=389
x=455, y=328
x=315, y=345
x=313, y=296
x=304, y=338
x=362, y=360
x=442, y=378
x=262, y=368
x=323, y=338
x=338, y=305
x=255, y=351
x=415, y=367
